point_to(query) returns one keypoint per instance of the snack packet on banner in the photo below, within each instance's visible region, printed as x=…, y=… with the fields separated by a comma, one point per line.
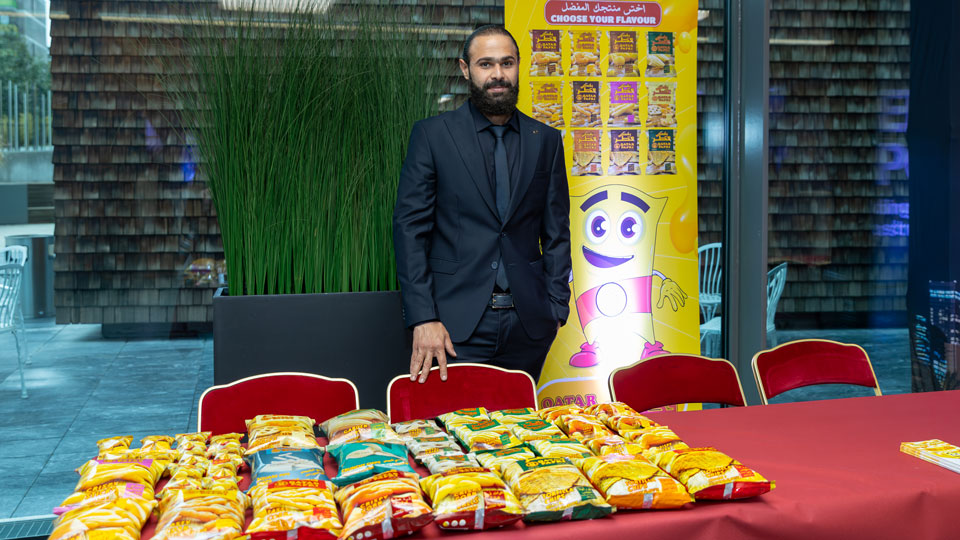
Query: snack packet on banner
x=655, y=440
x=660, y=58
x=416, y=428
x=582, y=426
x=439, y=464
x=585, y=53
x=117, y=517
x=201, y=514
x=486, y=435
x=622, y=60
x=708, y=473
x=384, y=506
x=562, y=448
x=545, y=53
x=536, y=430
x=359, y=425
x=633, y=482
x=514, y=416
x=471, y=498
x=498, y=459
x=359, y=460
x=463, y=416
x=440, y=444
x=293, y=505
x=100, y=471
x=280, y=464
x=113, y=444
x=547, y=102
x=553, y=489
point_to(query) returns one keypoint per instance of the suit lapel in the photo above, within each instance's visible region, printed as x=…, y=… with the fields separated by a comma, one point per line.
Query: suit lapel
x=464, y=135
x=530, y=137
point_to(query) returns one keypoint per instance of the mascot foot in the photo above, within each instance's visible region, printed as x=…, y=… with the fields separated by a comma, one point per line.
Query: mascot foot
x=652, y=349
x=587, y=357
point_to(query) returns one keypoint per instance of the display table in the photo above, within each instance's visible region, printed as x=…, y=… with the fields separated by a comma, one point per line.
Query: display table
x=837, y=464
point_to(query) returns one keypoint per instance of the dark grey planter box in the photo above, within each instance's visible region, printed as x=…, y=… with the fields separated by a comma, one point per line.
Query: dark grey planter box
x=357, y=336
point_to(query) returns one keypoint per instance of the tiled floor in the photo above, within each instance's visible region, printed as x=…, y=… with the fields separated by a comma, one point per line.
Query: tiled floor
x=83, y=388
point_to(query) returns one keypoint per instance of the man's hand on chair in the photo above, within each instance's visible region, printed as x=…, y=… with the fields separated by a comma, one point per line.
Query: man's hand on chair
x=430, y=340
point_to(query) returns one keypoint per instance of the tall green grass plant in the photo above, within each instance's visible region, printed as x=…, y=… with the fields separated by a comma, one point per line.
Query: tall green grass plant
x=301, y=121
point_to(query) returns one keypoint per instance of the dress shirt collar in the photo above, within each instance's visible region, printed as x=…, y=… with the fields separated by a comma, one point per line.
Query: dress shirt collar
x=481, y=122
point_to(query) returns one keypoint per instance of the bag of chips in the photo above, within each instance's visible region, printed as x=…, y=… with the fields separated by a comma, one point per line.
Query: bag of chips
x=440, y=444
x=463, y=416
x=562, y=448
x=583, y=426
x=654, y=440
x=439, y=464
x=185, y=477
x=633, y=482
x=552, y=414
x=359, y=425
x=384, y=506
x=628, y=422
x=498, y=459
x=471, y=498
x=360, y=460
x=279, y=431
x=553, y=489
x=622, y=60
x=612, y=444
x=201, y=514
x=113, y=444
x=514, y=416
x=660, y=58
x=708, y=473
x=585, y=53
x=101, y=471
x=104, y=492
x=416, y=428
x=486, y=435
x=287, y=505
x=116, y=517
x=159, y=443
x=280, y=464
x=613, y=408
x=536, y=430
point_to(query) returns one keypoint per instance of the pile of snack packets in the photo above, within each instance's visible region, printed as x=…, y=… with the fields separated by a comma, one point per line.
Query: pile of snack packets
x=555, y=464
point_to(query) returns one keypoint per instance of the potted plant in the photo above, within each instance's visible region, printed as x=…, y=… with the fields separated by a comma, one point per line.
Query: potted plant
x=301, y=120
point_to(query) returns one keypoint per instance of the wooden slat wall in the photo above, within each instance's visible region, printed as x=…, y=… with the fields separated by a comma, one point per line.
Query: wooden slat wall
x=127, y=223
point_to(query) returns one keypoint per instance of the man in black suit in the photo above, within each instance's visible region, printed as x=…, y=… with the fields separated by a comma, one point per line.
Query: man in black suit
x=481, y=225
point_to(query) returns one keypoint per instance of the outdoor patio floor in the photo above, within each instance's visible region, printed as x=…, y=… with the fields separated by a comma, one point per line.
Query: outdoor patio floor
x=84, y=388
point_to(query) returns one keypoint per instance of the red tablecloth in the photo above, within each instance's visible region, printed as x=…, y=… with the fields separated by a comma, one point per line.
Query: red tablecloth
x=838, y=468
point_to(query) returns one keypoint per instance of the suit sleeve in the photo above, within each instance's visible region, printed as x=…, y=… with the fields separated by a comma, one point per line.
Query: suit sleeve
x=555, y=236
x=413, y=219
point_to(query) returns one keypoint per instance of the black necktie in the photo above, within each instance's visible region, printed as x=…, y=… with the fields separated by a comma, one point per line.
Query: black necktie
x=501, y=172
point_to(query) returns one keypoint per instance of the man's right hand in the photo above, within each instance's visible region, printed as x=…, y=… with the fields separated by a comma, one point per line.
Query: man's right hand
x=430, y=340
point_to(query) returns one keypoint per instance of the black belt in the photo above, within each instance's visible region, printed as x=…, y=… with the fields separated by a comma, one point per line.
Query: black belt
x=501, y=301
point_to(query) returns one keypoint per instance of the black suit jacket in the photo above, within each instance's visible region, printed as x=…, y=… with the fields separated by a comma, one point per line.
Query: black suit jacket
x=448, y=235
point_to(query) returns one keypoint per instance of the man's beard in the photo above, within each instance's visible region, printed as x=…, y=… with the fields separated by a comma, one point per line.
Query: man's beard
x=504, y=103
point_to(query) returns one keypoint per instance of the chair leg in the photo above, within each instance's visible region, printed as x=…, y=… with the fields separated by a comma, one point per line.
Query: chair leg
x=23, y=328
x=23, y=385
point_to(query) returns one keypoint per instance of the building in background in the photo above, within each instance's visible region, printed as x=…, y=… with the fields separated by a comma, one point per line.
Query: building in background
x=32, y=20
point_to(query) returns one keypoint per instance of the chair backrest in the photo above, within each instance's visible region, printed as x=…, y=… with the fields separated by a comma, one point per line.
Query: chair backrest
x=11, y=278
x=224, y=408
x=13, y=255
x=467, y=385
x=811, y=361
x=671, y=379
x=776, y=279
x=709, y=264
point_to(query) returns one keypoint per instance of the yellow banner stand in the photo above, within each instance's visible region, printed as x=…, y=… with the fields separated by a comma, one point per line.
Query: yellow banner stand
x=619, y=79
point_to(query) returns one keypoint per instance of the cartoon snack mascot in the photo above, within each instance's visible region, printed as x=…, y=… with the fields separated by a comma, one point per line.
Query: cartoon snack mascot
x=613, y=236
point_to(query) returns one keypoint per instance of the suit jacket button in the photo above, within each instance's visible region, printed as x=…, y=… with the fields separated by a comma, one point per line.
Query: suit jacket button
x=503, y=235
x=493, y=265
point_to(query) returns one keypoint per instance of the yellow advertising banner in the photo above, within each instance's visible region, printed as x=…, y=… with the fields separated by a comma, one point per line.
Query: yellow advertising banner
x=619, y=79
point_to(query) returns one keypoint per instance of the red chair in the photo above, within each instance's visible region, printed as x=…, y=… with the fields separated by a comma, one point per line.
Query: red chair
x=224, y=408
x=467, y=385
x=671, y=379
x=807, y=362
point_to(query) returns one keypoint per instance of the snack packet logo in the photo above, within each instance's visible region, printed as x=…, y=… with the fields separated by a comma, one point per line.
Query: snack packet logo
x=585, y=41
x=661, y=43
x=548, y=92
x=586, y=141
x=624, y=42
x=546, y=40
x=586, y=92
x=661, y=139
x=624, y=140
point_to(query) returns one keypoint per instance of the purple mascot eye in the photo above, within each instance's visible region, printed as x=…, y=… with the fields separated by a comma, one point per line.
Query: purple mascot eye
x=627, y=228
x=631, y=228
x=598, y=226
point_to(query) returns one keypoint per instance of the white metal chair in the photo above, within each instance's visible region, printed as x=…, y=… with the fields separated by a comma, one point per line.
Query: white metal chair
x=18, y=255
x=710, y=330
x=11, y=318
x=708, y=258
x=776, y=279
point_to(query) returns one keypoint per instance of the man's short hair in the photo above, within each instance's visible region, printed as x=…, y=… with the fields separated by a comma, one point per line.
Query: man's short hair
x=487, y=30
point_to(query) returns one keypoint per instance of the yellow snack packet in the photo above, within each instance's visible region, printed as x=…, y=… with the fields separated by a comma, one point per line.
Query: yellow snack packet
x=633, y=482
x=708, y=473
x=471, y=498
